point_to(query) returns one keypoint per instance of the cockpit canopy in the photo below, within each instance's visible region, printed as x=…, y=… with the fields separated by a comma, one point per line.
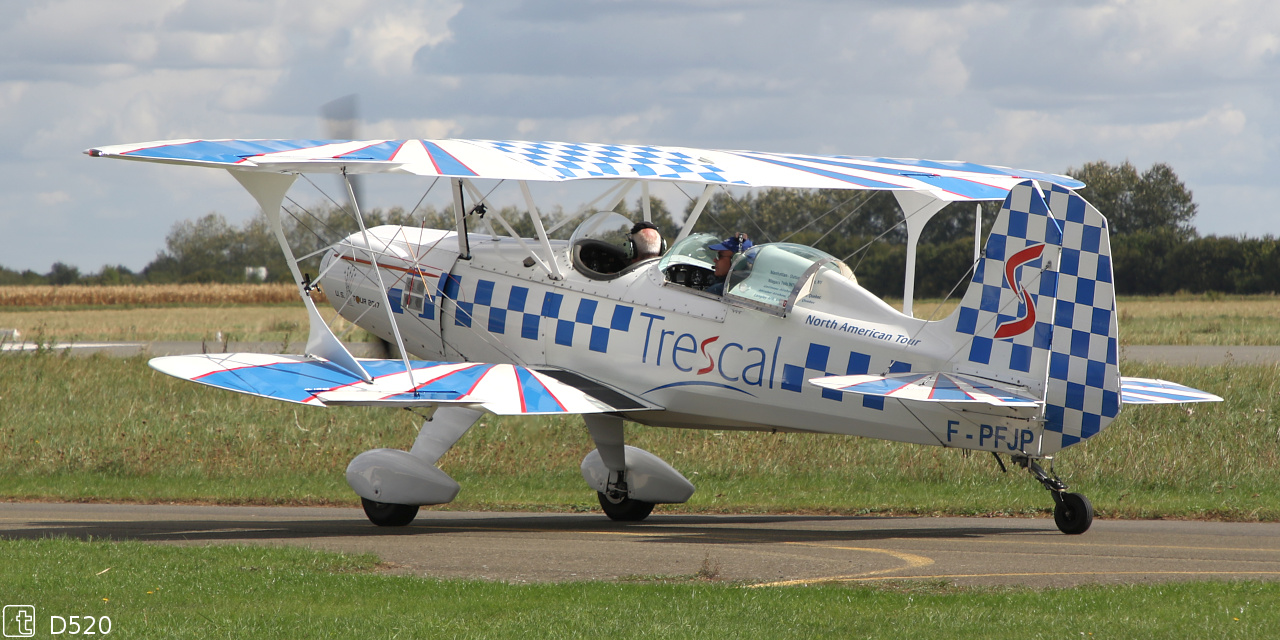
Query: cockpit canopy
x=601, y=245
x=770, y=273
x=767, y=274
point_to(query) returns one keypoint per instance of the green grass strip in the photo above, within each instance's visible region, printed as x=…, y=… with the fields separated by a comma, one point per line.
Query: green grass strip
x=164, y=591
x=113, y=429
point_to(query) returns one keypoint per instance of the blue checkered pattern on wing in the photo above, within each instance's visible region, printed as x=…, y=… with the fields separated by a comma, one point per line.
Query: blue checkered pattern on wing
x=1084, y=389
x=990, y=301
x=571, y=160
x=815, y=366
x=509, y=309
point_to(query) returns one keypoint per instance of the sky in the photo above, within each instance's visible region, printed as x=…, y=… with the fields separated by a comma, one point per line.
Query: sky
x=1034, y=85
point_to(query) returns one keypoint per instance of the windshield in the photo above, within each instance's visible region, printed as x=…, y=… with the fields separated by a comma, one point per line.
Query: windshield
x=608, y=227
x=693, y=251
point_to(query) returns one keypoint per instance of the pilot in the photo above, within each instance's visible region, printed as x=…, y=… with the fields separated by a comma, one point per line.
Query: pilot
x=725, y=250
x=646, y=242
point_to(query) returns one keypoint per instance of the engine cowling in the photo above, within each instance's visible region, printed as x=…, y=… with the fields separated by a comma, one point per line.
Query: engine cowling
x=398, y=477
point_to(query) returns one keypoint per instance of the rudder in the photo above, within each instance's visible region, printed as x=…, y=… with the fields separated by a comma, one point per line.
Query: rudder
x=1084, y=373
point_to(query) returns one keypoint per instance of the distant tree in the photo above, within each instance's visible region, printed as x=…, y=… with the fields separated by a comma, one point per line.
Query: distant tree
x=658, y=213
x=112, y=275
x=9, y=277
x=202, y=249
x=1154, y=201
x=62, y=274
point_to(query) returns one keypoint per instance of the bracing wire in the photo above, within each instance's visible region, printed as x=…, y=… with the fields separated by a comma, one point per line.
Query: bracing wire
x=746, y=213
x=842, y=220
x=424, y=196
x=825, y=214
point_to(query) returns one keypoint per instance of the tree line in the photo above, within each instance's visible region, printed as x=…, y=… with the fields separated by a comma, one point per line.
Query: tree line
x=1155, y=248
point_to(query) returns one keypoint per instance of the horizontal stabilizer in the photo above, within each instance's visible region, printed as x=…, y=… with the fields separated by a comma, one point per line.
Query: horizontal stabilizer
x=501, y=389
x=931, y=387
x=1149, y=391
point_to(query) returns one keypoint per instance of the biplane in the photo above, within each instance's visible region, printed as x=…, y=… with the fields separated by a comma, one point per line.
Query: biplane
x=781, y=338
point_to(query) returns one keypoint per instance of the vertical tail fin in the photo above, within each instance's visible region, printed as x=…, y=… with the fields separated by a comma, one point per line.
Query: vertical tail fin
x=1040, y=311
x=1005, y=319
x=1084, y=374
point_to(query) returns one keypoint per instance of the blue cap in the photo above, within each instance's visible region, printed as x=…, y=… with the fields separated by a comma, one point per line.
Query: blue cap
x=732, y=244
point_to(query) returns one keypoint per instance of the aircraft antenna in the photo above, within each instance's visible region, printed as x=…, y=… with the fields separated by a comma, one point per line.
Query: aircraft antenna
x=977, y=232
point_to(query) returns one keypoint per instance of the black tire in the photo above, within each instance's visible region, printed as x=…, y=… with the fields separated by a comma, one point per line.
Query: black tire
x=625, y=510
x=389, y=515
x=1073, y=514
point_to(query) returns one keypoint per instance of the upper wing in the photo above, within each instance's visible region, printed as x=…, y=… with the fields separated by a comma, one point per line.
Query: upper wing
x=559, y=161
x=1150, y=391
x=502, y=389
x=945, y=388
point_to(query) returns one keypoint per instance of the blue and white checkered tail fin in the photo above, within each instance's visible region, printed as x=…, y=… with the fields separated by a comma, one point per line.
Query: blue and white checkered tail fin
x=1084, y=374
x=1004, y=325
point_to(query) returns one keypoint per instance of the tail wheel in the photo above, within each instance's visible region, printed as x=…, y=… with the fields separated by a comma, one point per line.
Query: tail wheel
x=624, y=509
x=389, y=515
x=1073, y=513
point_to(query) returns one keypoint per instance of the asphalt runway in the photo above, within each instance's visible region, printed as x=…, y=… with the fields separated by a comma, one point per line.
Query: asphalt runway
x=772, y=550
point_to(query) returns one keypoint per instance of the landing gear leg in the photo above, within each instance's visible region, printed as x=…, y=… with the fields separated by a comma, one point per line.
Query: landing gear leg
x=1072, y=512
x=606, y=431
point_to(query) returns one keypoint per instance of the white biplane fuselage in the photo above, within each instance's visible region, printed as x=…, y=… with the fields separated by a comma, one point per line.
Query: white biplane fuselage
x=709, y=361
x=1026, y=365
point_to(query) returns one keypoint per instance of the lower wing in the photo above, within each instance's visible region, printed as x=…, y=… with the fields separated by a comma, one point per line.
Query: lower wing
x=501, y=389
x=949, y=388
x=944, y=388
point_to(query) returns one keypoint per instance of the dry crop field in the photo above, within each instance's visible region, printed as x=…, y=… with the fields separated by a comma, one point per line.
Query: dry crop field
x=154, y=313
x=146, y=295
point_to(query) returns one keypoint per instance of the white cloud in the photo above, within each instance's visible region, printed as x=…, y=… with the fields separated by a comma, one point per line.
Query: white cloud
x=1039, y=85
x=51, y=198
x=387, y=42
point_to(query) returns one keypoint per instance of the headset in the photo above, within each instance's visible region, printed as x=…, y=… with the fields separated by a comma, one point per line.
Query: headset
x=631, y=242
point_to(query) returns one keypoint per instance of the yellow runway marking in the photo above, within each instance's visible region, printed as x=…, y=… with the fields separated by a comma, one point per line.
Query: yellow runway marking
x=913, y=562
x=1120, y=546
x=1054, y=573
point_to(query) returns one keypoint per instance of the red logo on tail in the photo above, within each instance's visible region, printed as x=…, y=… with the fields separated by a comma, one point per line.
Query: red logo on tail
x=1024, y=324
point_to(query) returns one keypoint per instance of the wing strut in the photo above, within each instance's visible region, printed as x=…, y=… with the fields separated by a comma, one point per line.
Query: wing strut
x=460, y=219
x=536, y=217
x=644, y=202
x=697, y=211
x=918, y=207
x=269, y=189
x=382, y=286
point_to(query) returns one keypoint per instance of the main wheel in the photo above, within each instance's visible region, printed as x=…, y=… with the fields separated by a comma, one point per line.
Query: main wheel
x=1073, y=514
x=389, y=515
x=626, y=509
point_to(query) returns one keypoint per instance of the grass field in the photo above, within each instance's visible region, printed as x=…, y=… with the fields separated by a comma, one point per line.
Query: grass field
x=271, y=313
x=1184, y=319
x=107, y=429
x=162, y=591
x=100, y=428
